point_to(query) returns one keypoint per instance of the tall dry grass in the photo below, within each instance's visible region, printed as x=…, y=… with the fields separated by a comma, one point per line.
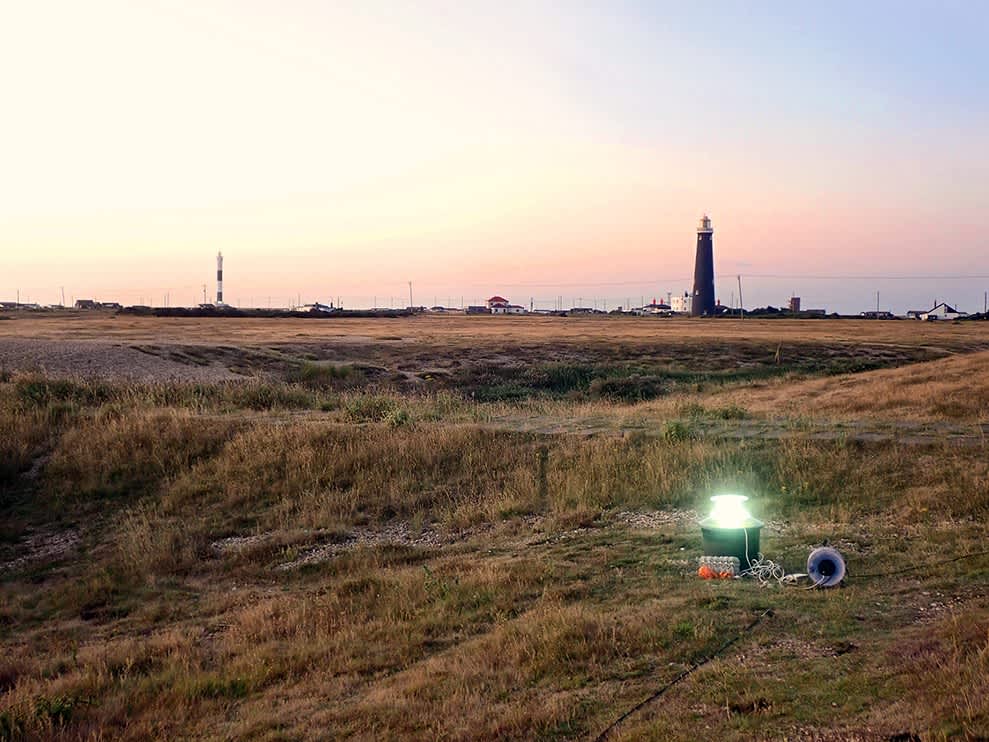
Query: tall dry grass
x=953, y=388
x=23, y=435
x=190, y=474
x=148, y=632
x=458, y=332
x=129, y=453
x=317, y=477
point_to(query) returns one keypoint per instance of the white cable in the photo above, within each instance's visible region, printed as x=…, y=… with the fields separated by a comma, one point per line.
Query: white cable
x=766, y=571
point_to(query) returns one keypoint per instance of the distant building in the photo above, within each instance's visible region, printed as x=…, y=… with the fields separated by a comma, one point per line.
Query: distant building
x=681, y=304
x=507, y=309
x=478, y=310
x=316, y=308
x=497, y=302
x=794, y=303
x=873, y=314
x=501, y=305
x=943, y=311
x=659, y=309
x=87, y=304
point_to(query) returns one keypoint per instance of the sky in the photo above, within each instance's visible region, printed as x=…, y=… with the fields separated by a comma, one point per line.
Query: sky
x=547, y=152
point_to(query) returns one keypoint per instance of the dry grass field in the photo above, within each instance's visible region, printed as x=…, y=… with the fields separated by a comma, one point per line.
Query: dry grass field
x=458, y=332
x=486, y=528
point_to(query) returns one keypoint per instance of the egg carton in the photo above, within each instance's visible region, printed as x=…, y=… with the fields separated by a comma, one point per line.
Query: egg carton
x=718, y=567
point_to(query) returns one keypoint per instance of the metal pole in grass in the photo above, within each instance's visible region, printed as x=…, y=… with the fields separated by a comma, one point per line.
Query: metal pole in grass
x=542, y=456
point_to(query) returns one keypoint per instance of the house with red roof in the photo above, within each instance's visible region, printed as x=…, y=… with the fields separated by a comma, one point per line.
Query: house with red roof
x=501, y=305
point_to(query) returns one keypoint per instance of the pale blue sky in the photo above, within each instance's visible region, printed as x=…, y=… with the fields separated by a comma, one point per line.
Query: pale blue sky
x=523, y=148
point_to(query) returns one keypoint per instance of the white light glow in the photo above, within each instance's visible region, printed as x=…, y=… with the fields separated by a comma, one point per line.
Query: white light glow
x=729, y=511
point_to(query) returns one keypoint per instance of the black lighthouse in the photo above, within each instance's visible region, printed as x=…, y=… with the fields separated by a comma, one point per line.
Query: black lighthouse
x=702, y=300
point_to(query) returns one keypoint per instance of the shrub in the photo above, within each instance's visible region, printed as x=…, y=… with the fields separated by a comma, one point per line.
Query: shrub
x=325, y=376
x=732, y=412
x=690, y=409
x=675, y=431
x=40, y=391
x=264, y=396
x=365, y=408
x=633, y=388
x=398, y=418
x=215, y=687
x=560, y=378
x=441, y=406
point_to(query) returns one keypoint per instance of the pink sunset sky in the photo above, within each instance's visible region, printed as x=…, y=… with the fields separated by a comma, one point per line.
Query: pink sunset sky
x=534, y=150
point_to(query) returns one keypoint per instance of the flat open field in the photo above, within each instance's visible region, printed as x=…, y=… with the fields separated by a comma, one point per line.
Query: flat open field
x=453, y=351
x=486, y=528
x=460, y=331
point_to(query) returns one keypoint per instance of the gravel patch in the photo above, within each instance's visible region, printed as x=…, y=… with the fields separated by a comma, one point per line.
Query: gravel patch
x=400, y=534
x=235, y=544
x=397, y=534
x=97, y=359
x=42, y=547
x=653, y=520
x=936, y=606
x=785, y=646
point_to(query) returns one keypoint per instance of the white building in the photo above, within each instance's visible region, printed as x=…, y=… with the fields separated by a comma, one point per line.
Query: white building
x=507, y=309
x=659, y=310
x=315, y=308
x=942, y=311
x=681, y=304
x=501, y=305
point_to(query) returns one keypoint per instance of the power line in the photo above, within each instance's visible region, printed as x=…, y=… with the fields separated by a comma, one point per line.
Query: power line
x=863, y=277
x=582, y=284
x=786, y=276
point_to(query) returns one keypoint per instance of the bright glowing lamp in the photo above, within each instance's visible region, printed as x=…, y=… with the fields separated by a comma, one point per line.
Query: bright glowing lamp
x=729, y=511
x=730, y=530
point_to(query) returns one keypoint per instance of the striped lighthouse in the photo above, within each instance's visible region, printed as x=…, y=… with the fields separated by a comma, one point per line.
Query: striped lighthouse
x=219, y=278
x=702, y=301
